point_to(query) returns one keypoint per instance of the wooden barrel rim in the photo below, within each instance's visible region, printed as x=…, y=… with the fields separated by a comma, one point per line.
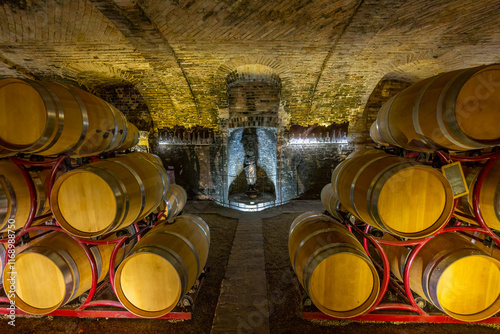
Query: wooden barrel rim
x=356, y=177
x=325, y=252
x=447, y=101
x=3, y=252
x=69, y=270
x=415, y=113
x=97, y=258
x=199, y=222
x=311, y=235
x=166, y=254
x=59, y=118
x=85, y=116
x=50, y=110
x=304, y=216
x=139, y=182
x=383, y=121
x=436, y=268
x=378, y=183
x=113, y=145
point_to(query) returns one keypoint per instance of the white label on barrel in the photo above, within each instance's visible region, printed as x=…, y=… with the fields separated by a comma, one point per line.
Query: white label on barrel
x=453, y=172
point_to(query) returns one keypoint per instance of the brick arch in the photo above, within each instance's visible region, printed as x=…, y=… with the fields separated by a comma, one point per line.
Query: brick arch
x=94, y=75
x=401, y=73
x=416, y=70
x=247, y=68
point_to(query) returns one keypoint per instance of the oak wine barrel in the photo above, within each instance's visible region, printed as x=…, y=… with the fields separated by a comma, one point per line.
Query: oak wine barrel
x=453, y=274
x=174, y=202
x=107, y=195
x=455, y=111
x=331, y=202
x=53, y=270
x=394, y=194
x=489, y=198
x=15, y=201
x=47, y=118
x=332, y=266
x=131, y=139
x=376, y=136
x=170, y=257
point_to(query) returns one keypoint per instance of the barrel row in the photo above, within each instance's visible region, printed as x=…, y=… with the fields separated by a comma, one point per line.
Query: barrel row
x=47, y=118
x=391, y=193
x=110, y=194
x=54, y=269
x=455, y=111
x=94, y=199
x=453, y=274
x=450, y=272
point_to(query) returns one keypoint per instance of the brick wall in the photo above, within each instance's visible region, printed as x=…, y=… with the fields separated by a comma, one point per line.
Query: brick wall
x=130, y=102
x=359, y=131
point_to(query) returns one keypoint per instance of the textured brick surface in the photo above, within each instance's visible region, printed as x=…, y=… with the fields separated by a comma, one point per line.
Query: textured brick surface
x=327, y=55
x=385, y=89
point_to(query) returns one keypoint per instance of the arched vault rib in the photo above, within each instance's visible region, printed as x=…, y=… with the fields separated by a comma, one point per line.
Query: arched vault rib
x=175, y=98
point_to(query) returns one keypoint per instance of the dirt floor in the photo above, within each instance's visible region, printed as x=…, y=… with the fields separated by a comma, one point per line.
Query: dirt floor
x=285, y=312
x=283, y=296
x=222, y=231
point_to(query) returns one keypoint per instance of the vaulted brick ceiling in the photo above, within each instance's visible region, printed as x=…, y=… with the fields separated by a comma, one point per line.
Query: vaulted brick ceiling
x=329, y=55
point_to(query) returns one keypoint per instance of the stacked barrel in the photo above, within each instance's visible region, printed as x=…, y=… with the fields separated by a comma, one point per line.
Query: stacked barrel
x=455, y=111
x=332, y=266
x=49, y=119
x=99, y=200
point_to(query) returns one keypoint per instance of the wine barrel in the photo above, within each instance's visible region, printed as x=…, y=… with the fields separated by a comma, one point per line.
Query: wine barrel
x=15, y=201
x=489, y=198
x=332, y=266
x=331, y=202
x=455, y=111
x=171, y=256
x=394, y=194
x=376, y=136
x=174, y=202
x=107, y=195
x=131, y=139
x=54, y=270
x=62, y=119
x=454, y=275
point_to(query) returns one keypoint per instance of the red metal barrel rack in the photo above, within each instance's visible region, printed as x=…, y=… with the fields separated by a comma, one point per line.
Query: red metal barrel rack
x=88, y=307
x=392, y=311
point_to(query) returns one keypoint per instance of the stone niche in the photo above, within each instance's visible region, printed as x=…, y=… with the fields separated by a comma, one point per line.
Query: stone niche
x=254, y=162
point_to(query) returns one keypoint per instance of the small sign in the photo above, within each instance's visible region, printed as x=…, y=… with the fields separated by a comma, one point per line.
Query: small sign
x=453, y=172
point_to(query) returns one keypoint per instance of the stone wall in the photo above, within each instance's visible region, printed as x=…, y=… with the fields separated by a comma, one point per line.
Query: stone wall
x=303, y=170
